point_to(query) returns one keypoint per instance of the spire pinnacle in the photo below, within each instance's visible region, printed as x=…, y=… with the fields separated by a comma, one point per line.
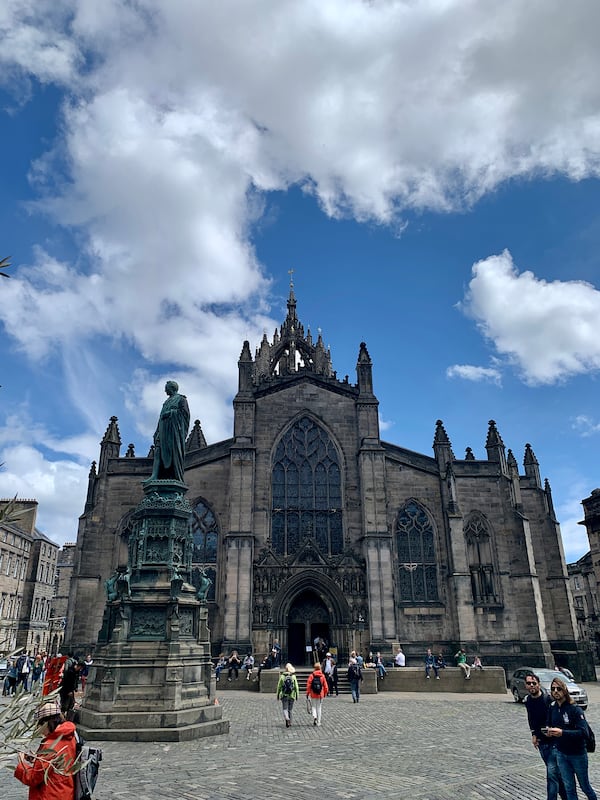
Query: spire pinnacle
x=195, y=440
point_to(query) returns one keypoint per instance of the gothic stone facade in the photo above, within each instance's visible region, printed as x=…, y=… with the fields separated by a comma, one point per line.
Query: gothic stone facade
x=310, y=524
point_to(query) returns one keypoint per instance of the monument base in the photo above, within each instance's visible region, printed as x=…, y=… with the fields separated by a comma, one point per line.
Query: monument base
x=150, y=692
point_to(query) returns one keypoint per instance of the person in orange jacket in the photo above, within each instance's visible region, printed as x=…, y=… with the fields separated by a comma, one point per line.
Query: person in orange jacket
x=316, y=690
x=48, y=780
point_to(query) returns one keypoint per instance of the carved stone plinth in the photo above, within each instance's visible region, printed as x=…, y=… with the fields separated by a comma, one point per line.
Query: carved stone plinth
x=152, y=673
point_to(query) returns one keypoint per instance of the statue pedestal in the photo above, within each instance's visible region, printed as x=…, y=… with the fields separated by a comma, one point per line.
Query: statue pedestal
x=152, y=673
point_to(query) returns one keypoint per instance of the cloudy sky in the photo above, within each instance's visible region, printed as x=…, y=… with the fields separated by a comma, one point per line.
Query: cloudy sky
x=429, y=169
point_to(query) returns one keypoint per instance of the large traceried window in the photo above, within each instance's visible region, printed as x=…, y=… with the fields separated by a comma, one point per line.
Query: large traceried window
x=307, y=491
x=205, y=531
x=481, y=562
x=417, y=565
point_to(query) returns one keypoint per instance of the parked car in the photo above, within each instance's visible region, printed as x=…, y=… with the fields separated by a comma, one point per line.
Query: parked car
x=546, y=676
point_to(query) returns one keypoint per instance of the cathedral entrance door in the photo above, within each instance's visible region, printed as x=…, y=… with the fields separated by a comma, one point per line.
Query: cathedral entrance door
x=308, y=618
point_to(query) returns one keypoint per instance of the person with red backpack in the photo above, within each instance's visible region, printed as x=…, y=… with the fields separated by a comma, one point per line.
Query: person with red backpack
x=316, y=690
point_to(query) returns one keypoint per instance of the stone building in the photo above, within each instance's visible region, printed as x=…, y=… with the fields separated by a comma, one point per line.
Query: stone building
x=585, y=600
x=311, y=525
x=27, y=573
x=60, y=601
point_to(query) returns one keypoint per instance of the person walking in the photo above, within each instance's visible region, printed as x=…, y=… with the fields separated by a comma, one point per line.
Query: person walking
x=316, y=690
x=328, y=672
x=288, y=691
x=568, y=728
x=355, y=677
x=48, y=773
x=537, y=704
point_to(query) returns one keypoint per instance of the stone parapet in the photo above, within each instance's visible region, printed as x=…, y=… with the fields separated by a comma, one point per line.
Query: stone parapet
x=490, y=680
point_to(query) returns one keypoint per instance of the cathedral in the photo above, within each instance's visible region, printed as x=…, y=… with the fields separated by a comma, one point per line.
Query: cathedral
x=309, y=525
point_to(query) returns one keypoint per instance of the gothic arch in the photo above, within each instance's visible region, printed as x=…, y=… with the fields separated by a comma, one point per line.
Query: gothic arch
x=482, y=560
x=121, y=543
x=206, y=532
x=415, y=537
x=307, y=467
x=329, y=592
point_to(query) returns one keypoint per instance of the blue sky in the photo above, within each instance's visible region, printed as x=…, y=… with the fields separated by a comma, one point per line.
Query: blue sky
x=430, y=170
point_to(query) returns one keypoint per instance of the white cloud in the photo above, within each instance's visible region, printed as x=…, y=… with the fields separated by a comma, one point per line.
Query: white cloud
x=548, y=329
x=58, y=485
x=469, y=372
x=179, y=115
x=586, y=426
x=569, y=514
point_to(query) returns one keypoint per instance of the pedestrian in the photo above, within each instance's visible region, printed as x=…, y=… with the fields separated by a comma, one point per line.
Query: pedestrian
x=537, y=704
x=316, y=690
x=287, y=692
x=355, y=677
x=430, y=664
x=328, y=672
x=36, y=673
x=248, y=665
x=10, y=682
x=440, y=661
x=568, y=728
x=477, y=663
x=461, y=661
x=334, y=679
x=276, y=653
x=85, y=671
x=23, y=669
x=400, y=658
x=233, y=663
x=48, y=773
x=220, y=666
x=68, y=687
x=379, y=666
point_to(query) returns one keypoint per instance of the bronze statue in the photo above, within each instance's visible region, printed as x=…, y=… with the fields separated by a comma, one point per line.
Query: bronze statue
x=169, y=438
x=110, y=587
x=205, y=584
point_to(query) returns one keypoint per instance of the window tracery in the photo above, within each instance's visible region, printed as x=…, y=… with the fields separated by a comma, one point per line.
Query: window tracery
x=417, y=565
x=205, y=532
x=307, y=494
x=481, y=562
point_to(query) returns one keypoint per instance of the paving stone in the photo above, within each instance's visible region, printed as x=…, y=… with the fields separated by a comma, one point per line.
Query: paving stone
x=433, y=747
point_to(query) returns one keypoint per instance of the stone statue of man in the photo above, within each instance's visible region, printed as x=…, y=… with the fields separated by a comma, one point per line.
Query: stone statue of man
x=170, y=435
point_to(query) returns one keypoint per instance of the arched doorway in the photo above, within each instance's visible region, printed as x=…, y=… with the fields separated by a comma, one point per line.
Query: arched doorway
x=308, y=619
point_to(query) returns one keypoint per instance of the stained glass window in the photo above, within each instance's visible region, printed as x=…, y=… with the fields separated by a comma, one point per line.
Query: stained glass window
x=307, y=491
x=417, y=566
x=481, y=562
x=205, y=531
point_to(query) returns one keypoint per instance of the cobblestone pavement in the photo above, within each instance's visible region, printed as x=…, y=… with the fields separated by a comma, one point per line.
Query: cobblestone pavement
x=421, y=747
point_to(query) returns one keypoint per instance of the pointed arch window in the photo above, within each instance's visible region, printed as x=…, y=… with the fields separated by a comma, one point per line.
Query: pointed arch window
x=417, y=565
x=205, y=532
x=307, y=491
x=484, y=583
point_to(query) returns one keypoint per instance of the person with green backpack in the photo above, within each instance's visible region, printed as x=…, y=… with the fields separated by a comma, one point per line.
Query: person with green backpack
x=287, y=692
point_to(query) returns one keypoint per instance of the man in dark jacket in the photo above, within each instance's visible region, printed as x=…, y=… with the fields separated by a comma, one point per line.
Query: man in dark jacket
x=537, y=703
x=68, y=687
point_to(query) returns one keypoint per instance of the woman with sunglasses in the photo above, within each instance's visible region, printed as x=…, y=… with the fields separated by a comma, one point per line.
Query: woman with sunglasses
x=568, y=728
